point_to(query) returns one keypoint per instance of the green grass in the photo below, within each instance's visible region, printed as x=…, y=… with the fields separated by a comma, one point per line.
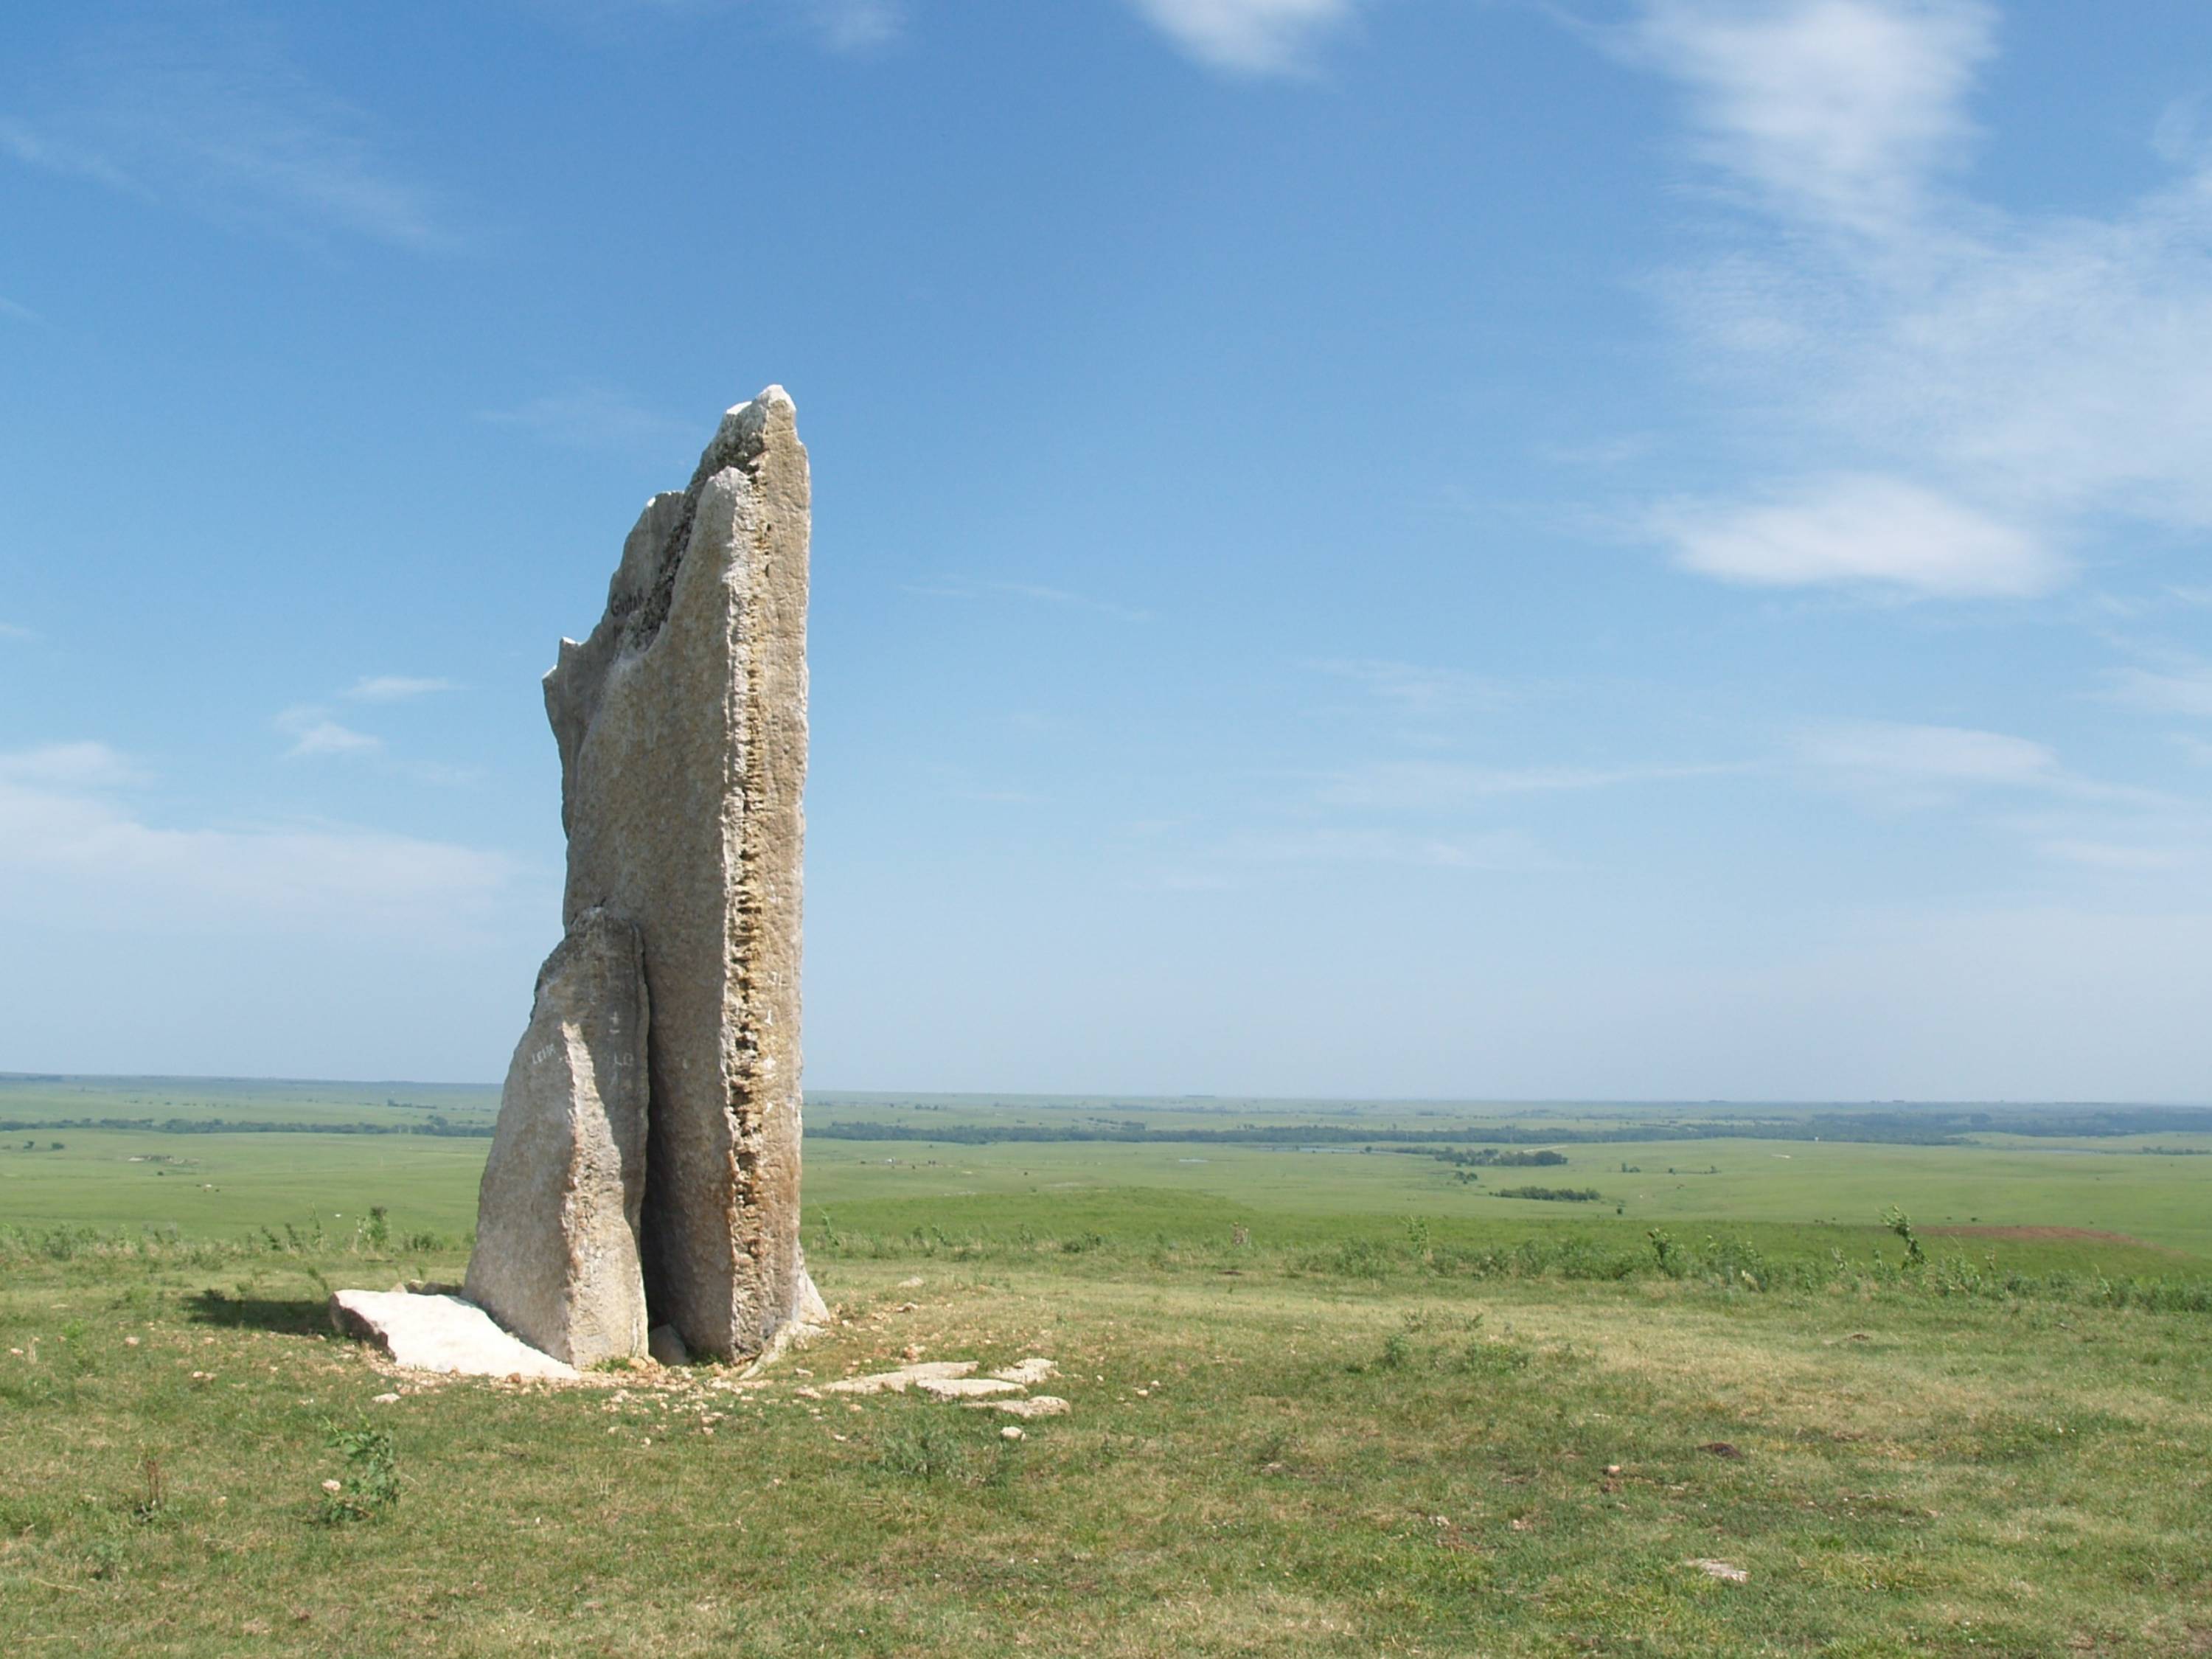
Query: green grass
x=223, y=1184
x=1330, y=1404
x=1285, y=1460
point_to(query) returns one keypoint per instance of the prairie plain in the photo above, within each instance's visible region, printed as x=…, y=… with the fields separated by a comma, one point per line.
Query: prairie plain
x=1323, y=1399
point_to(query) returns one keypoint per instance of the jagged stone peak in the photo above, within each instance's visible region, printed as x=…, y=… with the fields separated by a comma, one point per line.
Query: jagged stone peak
x=742, y=437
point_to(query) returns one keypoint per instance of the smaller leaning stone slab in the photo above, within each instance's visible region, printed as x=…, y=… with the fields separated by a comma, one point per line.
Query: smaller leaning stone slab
x=556, y=1260
x=439, y=1334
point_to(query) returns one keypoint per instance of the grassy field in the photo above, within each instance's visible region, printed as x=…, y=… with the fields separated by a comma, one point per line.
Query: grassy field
x=1322, y=1402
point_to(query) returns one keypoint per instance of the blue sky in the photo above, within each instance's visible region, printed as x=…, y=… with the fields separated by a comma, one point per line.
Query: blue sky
x=1615, y=548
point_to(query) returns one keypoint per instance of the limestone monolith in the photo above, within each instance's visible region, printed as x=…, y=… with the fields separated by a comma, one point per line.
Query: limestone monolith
x=681, y=727
x=555, y=1260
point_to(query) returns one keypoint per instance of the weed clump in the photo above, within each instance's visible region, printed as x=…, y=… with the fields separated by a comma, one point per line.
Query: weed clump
x=370, y=1490
x=932, y=1447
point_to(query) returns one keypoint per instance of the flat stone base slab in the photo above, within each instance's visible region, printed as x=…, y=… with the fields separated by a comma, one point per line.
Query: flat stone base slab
x=964, y=1387
x=1037, y=1405
x=905, y=1377
x=439, y=1334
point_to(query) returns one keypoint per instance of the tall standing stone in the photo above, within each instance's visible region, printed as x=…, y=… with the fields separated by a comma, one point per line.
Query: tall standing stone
x=682, y=725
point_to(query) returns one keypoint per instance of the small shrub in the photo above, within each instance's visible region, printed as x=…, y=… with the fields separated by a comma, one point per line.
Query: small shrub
x=370, y=1490
x=1356, y=1258
x=153, y=1497
x=1900, y=1223
x=1493, y=1359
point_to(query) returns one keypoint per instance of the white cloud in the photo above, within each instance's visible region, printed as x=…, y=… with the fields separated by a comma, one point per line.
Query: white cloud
x=218, y=120
x=840, y=25
x=395, y=688
x=1839, y=110
x=1412, y=786
x=1249, y=37
x=1507, y=849
x=1865, y=530
x=328, y=738
x=590, y=417
x=962, y=587
x=21, y=314
x=2181, y=691
x=84, y=854
x=313, y=733
x=2046, y=373
x=2124, y=858
x=856, y=25
x=1900, y=766
x=1419, y=691
x=1945, y=754
x=11, y=631
x=67, y=765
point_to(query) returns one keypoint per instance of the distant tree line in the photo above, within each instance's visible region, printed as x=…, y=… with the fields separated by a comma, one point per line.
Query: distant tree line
x=1555, y=1195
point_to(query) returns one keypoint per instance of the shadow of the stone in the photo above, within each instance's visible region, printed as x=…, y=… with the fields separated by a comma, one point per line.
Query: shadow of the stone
x=287, y=1316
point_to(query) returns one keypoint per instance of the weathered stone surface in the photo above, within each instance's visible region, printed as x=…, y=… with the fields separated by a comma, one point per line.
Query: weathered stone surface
x=682, y=725
x=1037, y=1405
x=663, y=1343
x=898, y=1382
x=809, y=1309
x=964, y=1387
x=556, y=1255
x=438, y=1333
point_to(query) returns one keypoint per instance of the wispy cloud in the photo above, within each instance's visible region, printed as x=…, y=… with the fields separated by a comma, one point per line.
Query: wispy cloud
x=315, y=734
x=68, y=766
x=21, y=314
x=87, y=853
x=2184, y=690
x=1865, y=530
x=963, y=587
x=1417, y=691
x=216, y=119
x=1412, y=785
x=590, y=417
x=1902, y=767
x=2124, y=858
x=1498, y=850
x=12, y=631
x=1999, y=385
x=1249, y=37
x=1837, y=111
x=841, y=24
x=395, y=688
x=855, y=24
